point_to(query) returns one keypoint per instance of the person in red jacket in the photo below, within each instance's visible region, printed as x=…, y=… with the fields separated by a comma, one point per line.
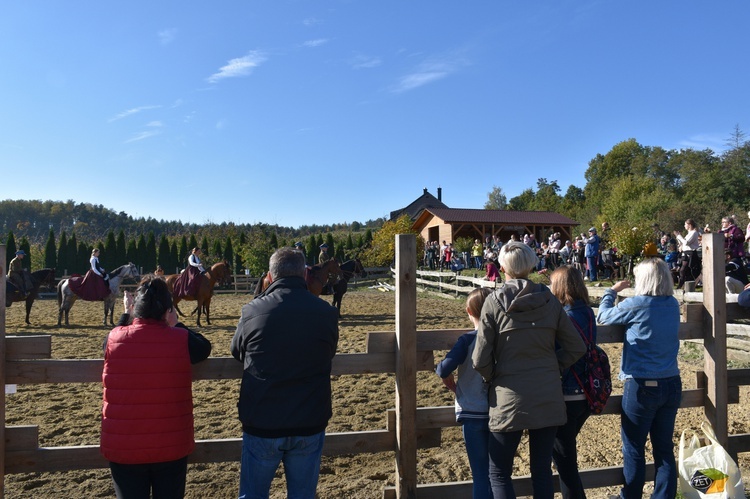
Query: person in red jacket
x=147, y=414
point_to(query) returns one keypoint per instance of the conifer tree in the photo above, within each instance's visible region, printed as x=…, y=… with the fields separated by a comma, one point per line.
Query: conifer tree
x=121, y=253
x=164, y=257
x=150, y=261
x=182, y=254
x=173, y=258
x=229, y=252
x=131, y=253
x=63, y=265
x=26, y=248
x=108, y=255
x=50, y=251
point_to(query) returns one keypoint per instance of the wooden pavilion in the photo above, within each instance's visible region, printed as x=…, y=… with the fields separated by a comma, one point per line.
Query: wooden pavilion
x=448, y=224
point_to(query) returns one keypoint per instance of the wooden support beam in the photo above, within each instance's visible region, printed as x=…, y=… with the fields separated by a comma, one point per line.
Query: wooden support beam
x=715, y=342
x=28, y=347
x=406, y=373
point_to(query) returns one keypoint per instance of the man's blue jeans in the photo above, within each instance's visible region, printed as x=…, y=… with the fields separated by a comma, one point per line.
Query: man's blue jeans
x=649, y=407
x=477, y=437
x=261, y=458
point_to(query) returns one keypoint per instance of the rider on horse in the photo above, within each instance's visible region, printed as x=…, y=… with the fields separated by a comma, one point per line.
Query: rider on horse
x=19, y=276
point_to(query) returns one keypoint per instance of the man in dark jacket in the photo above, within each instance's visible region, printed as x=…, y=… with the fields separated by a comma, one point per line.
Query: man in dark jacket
x=286, y=338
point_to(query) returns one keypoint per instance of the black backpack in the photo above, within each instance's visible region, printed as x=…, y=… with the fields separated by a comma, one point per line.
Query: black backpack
x=596, y=380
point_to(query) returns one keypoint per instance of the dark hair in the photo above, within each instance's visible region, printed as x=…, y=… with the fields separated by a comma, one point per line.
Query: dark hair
x=152, y=298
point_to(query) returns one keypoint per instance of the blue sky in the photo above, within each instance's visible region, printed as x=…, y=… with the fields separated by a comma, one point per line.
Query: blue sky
x=296, y=112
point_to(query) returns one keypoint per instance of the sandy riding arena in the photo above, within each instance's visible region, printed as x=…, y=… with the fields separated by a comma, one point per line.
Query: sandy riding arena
x=68, y=414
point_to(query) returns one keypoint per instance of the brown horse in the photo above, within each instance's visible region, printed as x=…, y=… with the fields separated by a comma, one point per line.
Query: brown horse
x=317, y=277
x=38, y=277
x=219, y=272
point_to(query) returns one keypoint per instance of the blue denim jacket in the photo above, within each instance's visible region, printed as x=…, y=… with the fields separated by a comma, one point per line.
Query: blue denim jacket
x=651, y=334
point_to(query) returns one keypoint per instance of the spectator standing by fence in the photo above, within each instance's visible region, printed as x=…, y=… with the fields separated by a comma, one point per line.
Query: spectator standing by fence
x=516, y=354
x=653, y=389
x=472, y=408
x=567, y=285
x=147, y=415
x=286, y=338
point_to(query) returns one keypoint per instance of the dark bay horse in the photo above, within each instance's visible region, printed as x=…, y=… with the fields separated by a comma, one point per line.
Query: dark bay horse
x=316, y=277
x=322, y=274
x=66, y=297
x=38, y=277
x=349, y=269
x=219, y=272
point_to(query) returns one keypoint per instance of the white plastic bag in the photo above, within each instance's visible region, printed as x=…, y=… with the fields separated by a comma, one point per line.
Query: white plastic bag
x=709, y=471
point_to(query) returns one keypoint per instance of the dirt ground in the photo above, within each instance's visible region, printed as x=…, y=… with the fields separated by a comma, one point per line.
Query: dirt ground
x=69, y=414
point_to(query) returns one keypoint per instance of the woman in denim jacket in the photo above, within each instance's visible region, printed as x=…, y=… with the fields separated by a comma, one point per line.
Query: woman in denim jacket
x=653, y=389
x=566, y=283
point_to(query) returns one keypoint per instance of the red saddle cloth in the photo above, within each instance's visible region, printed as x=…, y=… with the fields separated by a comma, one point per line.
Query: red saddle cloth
x=187, y=284
x=90, y=287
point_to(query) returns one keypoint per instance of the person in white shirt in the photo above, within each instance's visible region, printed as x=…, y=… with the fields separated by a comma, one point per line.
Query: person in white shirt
x=195, y=261
x=689, y=254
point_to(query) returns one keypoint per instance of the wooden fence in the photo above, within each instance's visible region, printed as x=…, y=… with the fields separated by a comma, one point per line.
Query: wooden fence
x=26, y=360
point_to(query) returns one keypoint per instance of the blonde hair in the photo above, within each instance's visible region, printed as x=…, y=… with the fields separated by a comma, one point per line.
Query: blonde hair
x=475, y=301
x=566, y=283
x=653, y=278
x=517, y=259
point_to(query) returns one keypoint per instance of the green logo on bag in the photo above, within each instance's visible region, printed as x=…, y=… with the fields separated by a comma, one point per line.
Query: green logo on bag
x=709, y=481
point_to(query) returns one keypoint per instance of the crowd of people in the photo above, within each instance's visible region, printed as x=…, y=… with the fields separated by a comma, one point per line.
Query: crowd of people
x=595, y=255
x=519, y=370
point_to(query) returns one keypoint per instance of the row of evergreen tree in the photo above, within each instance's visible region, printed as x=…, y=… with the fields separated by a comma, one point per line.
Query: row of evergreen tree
x=68, y=255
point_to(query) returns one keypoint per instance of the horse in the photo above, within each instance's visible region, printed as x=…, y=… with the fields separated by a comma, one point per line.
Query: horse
x=348, y=269
x=66, y=297
x=317, y=277
x=219, y=272
x=38, y=277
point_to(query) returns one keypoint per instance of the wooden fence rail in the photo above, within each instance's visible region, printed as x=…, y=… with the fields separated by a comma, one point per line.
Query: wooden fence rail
x=26, y=360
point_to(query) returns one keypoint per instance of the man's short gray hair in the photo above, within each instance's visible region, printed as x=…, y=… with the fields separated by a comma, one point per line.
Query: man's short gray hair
x=653, y=278
x=287, y=262
x=518, y=259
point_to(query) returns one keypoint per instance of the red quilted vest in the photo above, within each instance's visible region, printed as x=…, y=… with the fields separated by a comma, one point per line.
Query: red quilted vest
x=147, y=414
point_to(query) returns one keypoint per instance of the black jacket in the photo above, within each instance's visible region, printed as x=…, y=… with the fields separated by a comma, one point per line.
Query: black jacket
x=286, y=338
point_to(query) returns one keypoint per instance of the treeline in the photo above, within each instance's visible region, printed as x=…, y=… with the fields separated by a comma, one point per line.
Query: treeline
x=33, y=219
x=62, y=234
x=243, y=250
x=634, y=185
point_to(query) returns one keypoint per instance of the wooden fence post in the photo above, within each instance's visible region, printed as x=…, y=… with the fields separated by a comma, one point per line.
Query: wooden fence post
x=715, y=339
x=3, y=277
x=406, y=369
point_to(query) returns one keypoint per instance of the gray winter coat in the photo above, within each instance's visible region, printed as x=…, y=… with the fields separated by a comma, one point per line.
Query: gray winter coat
x=515, y=352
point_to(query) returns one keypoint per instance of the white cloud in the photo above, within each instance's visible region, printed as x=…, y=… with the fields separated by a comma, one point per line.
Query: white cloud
x=365, y=62
x=315, y=43
x=242, y=66
x=427, y=72
x=142, y=135
x=130, y=112
x=704, y=141
x=311, y=21
x=155, y=124
x=167, y=36
x=221, y=124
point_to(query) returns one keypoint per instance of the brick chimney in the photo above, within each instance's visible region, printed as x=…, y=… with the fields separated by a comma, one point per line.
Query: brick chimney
x=440, y=193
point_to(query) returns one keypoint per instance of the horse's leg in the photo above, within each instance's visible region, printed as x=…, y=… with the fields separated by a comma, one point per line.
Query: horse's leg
x=175, y=301
x=29, y=303
x=207, y=309
x=199, y=308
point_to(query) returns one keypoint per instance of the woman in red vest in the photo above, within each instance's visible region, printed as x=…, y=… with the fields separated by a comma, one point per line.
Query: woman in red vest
x=147, y=415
